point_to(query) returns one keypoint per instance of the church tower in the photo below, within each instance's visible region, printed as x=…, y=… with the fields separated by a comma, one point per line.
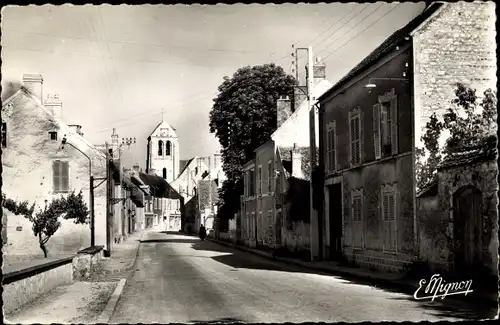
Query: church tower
x=163, y=152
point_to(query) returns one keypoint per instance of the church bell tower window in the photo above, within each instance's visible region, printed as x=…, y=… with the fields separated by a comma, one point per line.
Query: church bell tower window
x=160, y=148
x=168, y=147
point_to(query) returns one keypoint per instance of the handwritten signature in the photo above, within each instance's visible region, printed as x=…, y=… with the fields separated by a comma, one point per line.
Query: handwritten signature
x=438, y=288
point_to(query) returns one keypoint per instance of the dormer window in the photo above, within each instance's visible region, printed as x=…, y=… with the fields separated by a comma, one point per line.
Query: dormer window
x=53, y=135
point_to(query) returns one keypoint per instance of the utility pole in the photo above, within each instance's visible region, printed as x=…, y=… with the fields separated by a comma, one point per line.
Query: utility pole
x=108, y=202
x=92, y=213
x=314, y=224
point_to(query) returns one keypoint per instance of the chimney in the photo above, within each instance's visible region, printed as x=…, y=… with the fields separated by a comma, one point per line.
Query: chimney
x=319, y=71
x=299, y=96
x=283, y=110
x=114, y=144
x=76, y=128
x=54, y=105
x=33, y=82
x=296, y=162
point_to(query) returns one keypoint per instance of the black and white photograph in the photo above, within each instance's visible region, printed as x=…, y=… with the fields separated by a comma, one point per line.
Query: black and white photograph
x=249, y=162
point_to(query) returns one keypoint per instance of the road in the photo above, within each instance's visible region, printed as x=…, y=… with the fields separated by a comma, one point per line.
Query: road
x=182, y=279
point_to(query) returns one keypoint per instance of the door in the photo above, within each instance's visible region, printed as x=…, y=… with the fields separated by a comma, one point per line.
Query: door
x=467, y=228
x=335, y=216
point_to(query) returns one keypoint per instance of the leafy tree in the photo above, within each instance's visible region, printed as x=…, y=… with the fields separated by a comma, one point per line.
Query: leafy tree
x=243, y=117
x=46, y=222
x=468, y=129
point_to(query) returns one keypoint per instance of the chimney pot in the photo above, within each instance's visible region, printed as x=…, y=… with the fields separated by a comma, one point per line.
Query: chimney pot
x=54, y=105
x=33, y=82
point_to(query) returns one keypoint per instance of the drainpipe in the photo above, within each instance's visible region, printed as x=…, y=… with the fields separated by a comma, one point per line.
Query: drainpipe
x=147, y=156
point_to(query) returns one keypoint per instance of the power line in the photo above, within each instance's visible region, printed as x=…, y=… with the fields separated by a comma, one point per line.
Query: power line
x=179, y=63
x=361, y=21
x=329, y=28
x=139, y=43
x=350, y=40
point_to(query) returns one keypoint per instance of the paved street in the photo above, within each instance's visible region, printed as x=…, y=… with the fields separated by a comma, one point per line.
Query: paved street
x=181, y=279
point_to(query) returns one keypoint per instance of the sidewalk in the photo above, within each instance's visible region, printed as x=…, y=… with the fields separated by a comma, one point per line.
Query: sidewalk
x=122, y=259
x=84, y=301
x=392, y=280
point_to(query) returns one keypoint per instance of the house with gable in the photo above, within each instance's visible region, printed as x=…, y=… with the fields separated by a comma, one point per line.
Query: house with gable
x=284, y=159
x=36, y=168
x=372, y=120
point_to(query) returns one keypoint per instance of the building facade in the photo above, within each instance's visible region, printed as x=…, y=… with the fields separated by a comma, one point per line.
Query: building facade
x=37, y=168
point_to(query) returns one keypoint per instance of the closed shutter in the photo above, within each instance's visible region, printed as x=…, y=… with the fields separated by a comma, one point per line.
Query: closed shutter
x=376, y=130
x=56, y=175
x=394, y=125
x=385, y=221
x=393, y=221
x=355, y=136
x=328, y=150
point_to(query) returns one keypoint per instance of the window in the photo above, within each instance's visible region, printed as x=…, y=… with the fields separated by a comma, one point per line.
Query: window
x=4, y=135
x=355, y=137
x=357, y=218
x=168, y=148
x=196, y=171
x=160, y=148
x=60, y=171
x=389, y=217
x=53, y=135
x=259, y=184
x=164, y=173
x=251, y=183
x=385, y=128
x=331, y=143
x=270, y=176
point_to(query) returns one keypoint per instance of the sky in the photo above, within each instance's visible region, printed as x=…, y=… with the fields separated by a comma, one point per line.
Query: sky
x=120, y=66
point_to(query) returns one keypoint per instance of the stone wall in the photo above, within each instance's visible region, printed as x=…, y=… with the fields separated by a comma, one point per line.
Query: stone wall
x=456, y=45
x=435, y=214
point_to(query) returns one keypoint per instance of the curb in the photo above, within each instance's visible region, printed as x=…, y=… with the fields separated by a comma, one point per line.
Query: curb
x=403, y=286
x=108, y=311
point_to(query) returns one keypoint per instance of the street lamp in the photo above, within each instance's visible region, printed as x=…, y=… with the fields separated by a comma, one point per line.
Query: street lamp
x=91, y=191
x=372, y=85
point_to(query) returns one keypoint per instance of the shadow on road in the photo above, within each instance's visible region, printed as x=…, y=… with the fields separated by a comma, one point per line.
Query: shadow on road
x=452, y=308
x=172, y=240
x=245, y=260
x=171, y=232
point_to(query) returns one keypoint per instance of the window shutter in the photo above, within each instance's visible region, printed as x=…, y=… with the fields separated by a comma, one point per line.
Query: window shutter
x=350, y=138
x=360, y=136
x=385, y=207
x=394, y=125
x=376, y=130
x=56, y=175
x=328, y=150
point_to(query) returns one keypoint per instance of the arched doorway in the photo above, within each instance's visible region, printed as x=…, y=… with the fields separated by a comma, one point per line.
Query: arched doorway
x=468, y=228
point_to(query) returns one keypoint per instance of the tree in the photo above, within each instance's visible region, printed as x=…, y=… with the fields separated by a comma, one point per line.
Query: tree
x=468, y=130
x=243, y=117
x=46, y=222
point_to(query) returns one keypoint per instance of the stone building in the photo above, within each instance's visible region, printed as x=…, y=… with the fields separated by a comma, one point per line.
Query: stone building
x=36, y=168
x=371, y=121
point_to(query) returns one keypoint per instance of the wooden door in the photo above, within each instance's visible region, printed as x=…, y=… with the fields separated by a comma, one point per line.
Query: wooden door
x=468, y=227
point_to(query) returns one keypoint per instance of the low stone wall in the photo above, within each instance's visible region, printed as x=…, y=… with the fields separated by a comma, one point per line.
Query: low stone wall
x=21, y=286
x=85, y=261
x=296, y=238
x=383, y=261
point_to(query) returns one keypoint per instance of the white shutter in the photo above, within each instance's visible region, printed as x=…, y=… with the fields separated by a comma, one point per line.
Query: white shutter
x=360, y=136
x=56, y=175
x=394, y=125
x=376, y=130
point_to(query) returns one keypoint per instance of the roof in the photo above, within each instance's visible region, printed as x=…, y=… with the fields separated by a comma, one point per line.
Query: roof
x=285, y=154
x=186, y=165
x=71, y=136
x=475, y=155
x=159, y=187
x=159, y=124
x=296, y=127
x=401, y=35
